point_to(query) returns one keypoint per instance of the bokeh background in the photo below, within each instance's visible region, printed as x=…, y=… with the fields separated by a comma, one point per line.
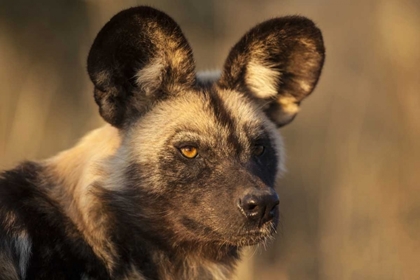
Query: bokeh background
x=350, y=201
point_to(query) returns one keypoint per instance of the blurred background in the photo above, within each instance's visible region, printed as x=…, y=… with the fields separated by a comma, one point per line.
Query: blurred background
x=350, y=201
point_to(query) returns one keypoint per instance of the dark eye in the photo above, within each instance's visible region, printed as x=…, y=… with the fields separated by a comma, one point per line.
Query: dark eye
x=258, y=150
x=189, y=151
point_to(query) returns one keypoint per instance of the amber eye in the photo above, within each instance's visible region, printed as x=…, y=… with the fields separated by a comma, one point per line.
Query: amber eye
x=258, y=150
x=189, y=151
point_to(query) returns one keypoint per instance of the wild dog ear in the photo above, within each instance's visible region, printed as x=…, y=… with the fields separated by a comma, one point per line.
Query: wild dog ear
x=138, y=57
x=278, y=63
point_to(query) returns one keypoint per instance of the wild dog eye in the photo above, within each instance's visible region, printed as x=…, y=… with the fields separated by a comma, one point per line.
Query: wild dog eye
x=258, y=150
x=189, y=151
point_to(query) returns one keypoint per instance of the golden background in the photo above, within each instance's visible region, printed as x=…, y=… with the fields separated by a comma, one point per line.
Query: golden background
x=350, y=201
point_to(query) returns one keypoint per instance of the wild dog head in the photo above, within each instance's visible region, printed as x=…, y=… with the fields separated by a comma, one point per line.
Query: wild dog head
x=199, y=158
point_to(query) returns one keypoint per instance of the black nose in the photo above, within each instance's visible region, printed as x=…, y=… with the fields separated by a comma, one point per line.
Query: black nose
x=260, y=206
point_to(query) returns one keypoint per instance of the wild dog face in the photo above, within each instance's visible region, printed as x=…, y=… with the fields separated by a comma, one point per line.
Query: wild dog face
x=199, y=160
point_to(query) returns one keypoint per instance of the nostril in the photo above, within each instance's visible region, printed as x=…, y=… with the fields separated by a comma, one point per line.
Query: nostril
x=251, y=206
x=269, y=215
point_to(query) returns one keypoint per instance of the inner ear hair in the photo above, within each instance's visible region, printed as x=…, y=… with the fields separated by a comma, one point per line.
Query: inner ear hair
x=278, y=64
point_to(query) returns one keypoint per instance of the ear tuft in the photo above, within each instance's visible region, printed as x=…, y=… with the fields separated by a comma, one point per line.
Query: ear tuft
x=261, y=79
x=137, y=58
x=149, y=78
x=278, y=64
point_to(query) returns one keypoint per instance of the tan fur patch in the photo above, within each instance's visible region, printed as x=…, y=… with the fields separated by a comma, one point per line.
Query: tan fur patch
x=7, y=269
x=261, y=79
x=305, y=86
x=77, y=169
x=102, y=77
x=288, y=104
x=289, y=108
x=9, y=220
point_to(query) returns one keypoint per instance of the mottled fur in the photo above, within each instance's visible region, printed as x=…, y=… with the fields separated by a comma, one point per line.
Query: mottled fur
x=125, y=203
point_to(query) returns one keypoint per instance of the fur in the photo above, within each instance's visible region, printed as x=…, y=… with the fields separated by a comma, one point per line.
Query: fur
x=124, y=203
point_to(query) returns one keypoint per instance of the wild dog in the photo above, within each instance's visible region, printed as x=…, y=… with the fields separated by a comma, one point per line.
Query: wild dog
x=182, y=176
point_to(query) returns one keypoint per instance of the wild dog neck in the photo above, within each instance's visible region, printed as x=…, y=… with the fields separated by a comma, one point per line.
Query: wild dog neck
x=75, y=171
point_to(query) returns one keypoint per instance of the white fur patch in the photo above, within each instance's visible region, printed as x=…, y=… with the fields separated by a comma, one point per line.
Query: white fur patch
x=149, y=78
x=262, y=80
x=23, y=247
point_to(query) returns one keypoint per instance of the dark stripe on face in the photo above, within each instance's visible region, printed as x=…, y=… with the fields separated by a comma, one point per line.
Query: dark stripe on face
x=225, y=119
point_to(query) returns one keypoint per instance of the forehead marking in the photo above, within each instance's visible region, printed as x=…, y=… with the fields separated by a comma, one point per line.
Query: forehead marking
x=249, y=119
x=224, y=117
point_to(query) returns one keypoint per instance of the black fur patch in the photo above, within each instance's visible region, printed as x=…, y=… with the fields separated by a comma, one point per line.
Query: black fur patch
x=57, y=249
